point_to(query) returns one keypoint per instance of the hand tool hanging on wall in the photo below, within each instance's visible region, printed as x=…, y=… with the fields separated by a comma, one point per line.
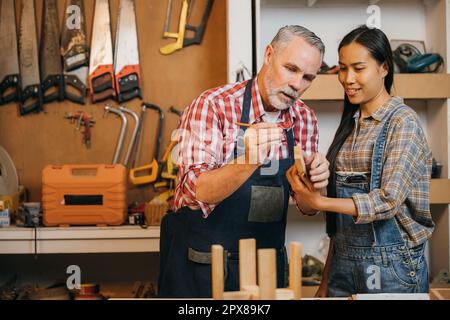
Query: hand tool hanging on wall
x=138, y=139
x=31, y=93
x=9, y=57
x=75, y=52
x=150, y=173
x=101, y=70
x=83, y=119
x=50, y=56
x=176, y=112
x=133, y=136
x=123, y=131
x=126, y=64
x=182, y=40
x=168, y=171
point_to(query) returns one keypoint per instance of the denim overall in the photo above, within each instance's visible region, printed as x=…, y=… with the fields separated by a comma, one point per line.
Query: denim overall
x=373, y=258
x=258, y=210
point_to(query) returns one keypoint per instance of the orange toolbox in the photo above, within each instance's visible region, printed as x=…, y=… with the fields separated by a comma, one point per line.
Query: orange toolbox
x=84, y=195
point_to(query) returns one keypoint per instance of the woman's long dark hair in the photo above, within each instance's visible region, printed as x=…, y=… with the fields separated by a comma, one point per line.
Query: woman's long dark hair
x=379, y=47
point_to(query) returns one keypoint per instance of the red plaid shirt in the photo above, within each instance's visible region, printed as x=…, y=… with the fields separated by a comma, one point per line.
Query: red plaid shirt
x=208, y=136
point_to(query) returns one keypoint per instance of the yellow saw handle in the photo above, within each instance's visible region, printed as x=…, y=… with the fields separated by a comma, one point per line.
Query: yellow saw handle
x=138, y=178
x=171, y=48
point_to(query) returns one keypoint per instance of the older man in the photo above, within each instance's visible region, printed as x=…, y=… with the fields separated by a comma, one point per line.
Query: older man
x=231, y=190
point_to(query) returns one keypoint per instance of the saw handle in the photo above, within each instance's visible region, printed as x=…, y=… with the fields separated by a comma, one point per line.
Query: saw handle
x=130, y=95
x=128, y=82
x=56, y=82
x=11, y=83
x=102, y=83
x=71, y=81
x=200, y=30
x=33, y=93
x=139, y=177
x=104, y=95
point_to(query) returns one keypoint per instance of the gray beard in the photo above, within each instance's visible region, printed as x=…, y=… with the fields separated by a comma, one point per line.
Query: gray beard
x=276, y=103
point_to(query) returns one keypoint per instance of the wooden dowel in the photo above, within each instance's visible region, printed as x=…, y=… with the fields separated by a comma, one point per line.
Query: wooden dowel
x=295, y=269
x=217, y=272
x=267, y=273
x=247, y=263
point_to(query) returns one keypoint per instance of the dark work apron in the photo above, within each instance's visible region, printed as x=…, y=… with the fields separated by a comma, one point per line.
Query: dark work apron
x=257, y=210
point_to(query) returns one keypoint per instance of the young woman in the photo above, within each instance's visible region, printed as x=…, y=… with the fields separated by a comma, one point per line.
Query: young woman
x=378, y=214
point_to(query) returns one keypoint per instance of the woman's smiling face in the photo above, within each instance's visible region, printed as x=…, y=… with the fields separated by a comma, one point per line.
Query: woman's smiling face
x=360, y=74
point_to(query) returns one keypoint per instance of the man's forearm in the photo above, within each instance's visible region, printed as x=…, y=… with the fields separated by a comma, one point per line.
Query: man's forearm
x=217, y=185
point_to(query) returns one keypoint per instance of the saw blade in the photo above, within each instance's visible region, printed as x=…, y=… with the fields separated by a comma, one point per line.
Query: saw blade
x=9, y=58
x=127, y=51
x=101, y=44
x=50, y=47
x=29, y=64
x=74, y=48
x=9, y=180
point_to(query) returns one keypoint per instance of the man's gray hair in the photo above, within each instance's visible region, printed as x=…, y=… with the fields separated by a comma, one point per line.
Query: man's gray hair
x=287, y=33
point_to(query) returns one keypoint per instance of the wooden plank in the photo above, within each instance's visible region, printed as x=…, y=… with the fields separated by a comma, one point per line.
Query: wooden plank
x=408, y=86
x=79, y=240
x=39, y=140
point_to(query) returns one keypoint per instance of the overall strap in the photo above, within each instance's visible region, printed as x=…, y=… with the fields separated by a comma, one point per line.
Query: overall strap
x=379, y=151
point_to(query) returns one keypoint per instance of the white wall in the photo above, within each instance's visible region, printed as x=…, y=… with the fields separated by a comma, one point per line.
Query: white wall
x=337, y=20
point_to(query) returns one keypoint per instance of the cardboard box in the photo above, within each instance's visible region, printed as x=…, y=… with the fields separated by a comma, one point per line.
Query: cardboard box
x=4, y=216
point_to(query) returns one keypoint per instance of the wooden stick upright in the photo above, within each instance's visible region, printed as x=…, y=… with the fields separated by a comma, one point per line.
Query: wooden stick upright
x=217, y=272
x=247, y=267
x=267, y=273
x=295, y=269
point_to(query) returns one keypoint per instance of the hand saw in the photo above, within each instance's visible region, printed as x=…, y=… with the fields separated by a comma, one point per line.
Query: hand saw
x=9, y=58
x=138, y=176
x=75, y=52
x=50, y=58
x=199, y=31
x=126, y=64
x=31, y=93
x=101, y=70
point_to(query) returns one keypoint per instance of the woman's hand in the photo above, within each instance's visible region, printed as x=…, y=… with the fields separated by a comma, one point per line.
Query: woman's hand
x=302, y=193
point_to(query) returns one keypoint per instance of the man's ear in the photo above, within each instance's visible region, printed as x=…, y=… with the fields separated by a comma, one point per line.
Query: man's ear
x=268, y=56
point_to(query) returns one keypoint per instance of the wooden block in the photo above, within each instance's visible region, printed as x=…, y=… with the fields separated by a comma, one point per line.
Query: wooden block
x=295, y=269
x=440, y=294
x=247, y=263
x=267, y=272
x=285, y=294
x=253, y=290
x=217, y=272
x=301, y=168
x=237, y=295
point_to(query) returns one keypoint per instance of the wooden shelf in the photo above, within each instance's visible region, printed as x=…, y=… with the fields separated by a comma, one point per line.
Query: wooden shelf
x=408, y=86
x=123, y=239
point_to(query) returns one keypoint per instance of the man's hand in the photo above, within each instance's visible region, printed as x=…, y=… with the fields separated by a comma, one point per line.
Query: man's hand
x=262, y=141
x=319, y=170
